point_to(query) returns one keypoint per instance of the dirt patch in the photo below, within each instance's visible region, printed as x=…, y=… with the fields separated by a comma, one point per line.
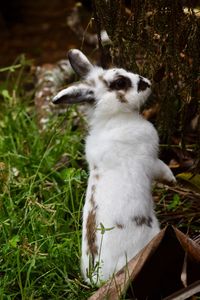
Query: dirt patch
x=36, y=28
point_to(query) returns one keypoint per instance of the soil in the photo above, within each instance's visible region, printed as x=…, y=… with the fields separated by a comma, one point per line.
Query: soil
x=37, y=29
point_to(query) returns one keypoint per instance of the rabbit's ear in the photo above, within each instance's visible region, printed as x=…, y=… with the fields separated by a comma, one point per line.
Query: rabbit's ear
x=74, y=94
x=79, y=62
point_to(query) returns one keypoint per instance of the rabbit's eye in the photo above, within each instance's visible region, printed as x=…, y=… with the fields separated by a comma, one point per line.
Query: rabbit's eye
x=121, y=83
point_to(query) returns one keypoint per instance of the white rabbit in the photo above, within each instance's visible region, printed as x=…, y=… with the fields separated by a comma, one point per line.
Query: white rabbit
x=122, y=153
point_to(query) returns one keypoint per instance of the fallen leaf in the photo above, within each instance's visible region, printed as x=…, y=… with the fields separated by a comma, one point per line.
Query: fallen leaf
x=155, y=273
x=192, y=180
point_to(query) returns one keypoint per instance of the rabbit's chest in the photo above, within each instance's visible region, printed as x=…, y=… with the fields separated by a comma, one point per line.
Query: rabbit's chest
x=117, y=194
x=117, y=146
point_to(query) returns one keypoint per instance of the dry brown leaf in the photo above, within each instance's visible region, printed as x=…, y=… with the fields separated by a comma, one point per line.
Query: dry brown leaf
x=190, y=179
x=156, y=271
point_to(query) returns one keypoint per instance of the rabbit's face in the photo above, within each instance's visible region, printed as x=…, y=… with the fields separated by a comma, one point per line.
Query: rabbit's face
x=118, y=90
x=107, y=91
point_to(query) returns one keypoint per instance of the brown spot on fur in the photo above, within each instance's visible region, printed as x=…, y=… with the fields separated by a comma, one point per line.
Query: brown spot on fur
x=104, y=81
x=96, y=176
x=93, y=188
x=142, y=220
x=119, y=225
x=95, y=172
x=91, y=234
x=121, y=97
x=89, y=82
x=92, y=200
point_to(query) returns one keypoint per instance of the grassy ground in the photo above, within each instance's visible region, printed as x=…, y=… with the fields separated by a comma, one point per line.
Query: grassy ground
x=41, y=199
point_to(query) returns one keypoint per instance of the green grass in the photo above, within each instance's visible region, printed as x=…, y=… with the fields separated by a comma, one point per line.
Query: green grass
x=40, y=203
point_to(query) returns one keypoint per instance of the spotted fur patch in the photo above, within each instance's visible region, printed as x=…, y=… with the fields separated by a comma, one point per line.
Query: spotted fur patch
x=142, y=84
x=121, y=97
x=93, y=189
x=97, y=176
x=120, y=225
x=92, y=201
x=142, y=220
x=91, y=225
x=91, y=234
x=120, y=83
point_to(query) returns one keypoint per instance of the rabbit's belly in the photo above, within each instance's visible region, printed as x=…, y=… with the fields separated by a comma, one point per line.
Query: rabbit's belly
x=121, y=244
x=118, y=219
x=120, y=195
x=115, y=247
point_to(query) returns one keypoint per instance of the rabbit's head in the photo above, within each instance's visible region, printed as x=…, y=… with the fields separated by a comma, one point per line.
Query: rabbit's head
x=107, y=92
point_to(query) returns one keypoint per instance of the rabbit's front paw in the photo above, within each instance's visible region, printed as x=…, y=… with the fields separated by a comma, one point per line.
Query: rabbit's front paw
x=169, y=177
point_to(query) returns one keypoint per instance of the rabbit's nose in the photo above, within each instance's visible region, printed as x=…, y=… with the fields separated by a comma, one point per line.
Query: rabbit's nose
x=143, y=84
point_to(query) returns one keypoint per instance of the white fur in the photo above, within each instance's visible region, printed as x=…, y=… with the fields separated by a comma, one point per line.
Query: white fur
x=122, y=154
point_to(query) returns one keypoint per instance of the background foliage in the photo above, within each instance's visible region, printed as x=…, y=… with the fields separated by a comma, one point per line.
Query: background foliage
x=160, y=40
